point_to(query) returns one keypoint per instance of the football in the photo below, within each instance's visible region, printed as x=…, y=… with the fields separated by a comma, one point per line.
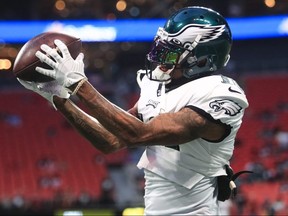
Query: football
x=26, y=61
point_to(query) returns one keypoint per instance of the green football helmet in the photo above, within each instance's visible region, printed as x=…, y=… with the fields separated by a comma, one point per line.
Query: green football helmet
x=196, y=40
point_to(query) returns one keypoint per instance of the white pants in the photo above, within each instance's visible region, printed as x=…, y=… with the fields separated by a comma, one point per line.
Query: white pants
x=163, y=197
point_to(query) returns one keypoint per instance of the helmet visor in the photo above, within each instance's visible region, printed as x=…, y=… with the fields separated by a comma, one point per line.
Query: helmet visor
x=164, y=53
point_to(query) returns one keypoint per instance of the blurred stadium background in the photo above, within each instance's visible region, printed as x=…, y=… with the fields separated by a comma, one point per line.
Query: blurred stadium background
x=46, y=168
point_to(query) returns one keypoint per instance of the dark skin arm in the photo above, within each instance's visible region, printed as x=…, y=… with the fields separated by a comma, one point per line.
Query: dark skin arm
x=120, y=129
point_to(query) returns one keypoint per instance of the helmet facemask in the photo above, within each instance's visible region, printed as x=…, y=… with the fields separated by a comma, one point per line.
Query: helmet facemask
x=169, y=54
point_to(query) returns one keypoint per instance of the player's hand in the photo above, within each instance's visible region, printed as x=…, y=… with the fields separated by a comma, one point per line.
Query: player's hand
x=66, y=70
x=47, y=89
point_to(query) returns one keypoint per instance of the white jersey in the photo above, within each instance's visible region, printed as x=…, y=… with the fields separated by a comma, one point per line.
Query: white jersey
x=217, y=97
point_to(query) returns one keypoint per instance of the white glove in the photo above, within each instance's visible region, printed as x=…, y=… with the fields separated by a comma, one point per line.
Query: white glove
x=46, y=89
x=66, y=70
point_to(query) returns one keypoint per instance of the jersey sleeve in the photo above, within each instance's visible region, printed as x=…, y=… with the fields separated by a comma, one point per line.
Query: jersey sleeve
x=225, y=102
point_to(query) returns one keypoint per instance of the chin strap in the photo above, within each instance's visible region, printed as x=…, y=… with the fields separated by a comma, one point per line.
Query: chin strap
x=195, y=70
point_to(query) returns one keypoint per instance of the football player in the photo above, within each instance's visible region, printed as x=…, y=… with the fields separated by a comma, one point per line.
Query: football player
x=186, y=116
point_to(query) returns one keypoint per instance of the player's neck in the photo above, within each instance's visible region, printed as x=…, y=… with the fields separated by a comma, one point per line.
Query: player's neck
x=176, y=74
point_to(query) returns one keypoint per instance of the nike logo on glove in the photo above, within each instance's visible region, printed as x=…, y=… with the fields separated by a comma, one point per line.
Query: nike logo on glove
x=234, y=91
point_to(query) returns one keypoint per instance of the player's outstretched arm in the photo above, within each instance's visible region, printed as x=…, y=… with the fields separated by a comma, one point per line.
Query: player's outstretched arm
x=165, y=129
x=88, y=127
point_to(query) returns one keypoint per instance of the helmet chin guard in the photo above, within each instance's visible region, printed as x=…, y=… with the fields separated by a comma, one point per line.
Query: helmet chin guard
x=159, y=75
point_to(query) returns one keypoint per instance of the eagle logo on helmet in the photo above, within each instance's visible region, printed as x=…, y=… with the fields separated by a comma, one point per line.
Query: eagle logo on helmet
x=207, y=32
x=228, y=106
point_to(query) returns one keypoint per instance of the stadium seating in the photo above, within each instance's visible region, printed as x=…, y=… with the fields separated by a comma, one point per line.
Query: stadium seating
x=265, y=94
x=40, y=133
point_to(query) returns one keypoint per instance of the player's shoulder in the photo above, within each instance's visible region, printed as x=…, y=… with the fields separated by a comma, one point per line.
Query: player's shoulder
x=214, y=80
x=229, y=89
x=140, y=75
x=206, y=83
x=221, y=87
